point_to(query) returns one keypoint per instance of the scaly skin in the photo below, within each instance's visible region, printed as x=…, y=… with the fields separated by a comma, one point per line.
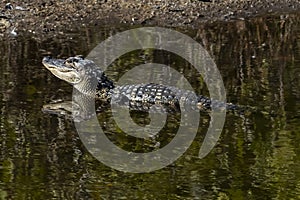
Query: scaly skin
x=79, y=72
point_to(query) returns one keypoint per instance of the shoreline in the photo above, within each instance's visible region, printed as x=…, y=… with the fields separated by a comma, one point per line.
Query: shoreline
x=41, y=17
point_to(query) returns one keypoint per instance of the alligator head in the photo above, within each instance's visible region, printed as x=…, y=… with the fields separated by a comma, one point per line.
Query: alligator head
x=79, y=72
x=67, y=70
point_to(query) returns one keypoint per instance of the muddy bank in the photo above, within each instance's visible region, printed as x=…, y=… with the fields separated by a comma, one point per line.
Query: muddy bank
x=41, y=18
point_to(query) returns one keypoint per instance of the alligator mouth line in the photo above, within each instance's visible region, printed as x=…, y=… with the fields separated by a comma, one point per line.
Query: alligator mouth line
x=57, y=64
x=59, y=69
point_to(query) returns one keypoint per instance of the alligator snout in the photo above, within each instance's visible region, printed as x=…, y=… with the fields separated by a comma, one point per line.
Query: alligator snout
x=47, y=58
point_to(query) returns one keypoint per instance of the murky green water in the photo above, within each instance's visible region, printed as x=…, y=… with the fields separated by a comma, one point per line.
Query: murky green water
x=257, y=155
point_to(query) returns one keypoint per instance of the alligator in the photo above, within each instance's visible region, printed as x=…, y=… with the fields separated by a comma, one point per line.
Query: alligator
x=78, y=71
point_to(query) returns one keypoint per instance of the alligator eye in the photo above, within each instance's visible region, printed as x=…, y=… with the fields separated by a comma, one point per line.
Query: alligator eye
x=80, y=57
x=68, y=61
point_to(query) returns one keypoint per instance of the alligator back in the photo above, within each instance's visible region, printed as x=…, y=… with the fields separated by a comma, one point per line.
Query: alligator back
x=143, y=96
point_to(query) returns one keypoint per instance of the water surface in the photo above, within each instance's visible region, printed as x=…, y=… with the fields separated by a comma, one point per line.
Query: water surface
x=257, y=156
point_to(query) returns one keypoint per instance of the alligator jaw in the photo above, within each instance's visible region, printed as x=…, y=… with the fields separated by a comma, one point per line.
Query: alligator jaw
x=59, y=69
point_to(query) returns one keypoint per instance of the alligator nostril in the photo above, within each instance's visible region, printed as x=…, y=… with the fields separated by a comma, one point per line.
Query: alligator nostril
x=47, y=58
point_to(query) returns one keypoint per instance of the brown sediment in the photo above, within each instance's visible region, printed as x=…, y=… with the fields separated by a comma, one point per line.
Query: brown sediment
x=41, y=16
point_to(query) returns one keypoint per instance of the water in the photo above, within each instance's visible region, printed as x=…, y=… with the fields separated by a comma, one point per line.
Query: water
x=257, y=155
